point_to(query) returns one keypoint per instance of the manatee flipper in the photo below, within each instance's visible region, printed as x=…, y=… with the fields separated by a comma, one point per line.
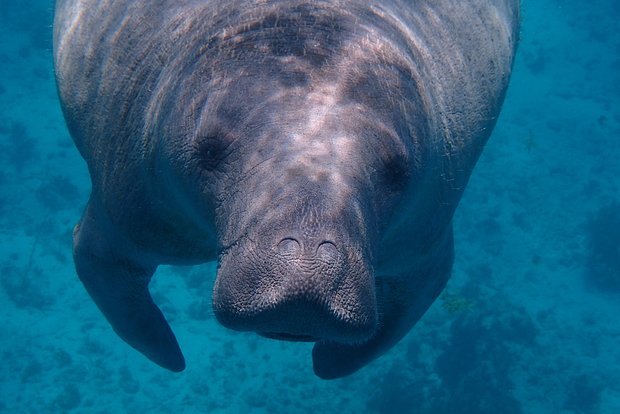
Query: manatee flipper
x=119, y=287
x=403, y=302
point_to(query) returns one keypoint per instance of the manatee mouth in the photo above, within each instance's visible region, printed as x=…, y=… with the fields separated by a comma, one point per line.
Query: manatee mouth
x=283, y=336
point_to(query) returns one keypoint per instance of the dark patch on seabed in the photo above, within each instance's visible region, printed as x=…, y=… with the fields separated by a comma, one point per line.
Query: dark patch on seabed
x=528, y=323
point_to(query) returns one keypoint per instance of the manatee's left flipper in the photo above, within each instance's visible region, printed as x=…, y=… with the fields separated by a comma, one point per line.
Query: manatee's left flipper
x=119, y=287
x=334, y=360
x=402, y=301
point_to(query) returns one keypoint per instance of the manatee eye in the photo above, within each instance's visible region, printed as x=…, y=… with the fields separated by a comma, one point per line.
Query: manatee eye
x=396, y=172
x=211, y=149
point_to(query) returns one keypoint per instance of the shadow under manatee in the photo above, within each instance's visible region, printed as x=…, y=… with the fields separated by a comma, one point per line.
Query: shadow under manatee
x=603, y=242
x=473, y=366
x=476, y=365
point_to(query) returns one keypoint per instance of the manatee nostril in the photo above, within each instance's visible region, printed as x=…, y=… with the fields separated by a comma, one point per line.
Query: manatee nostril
x=327, y=251
x=289, y=247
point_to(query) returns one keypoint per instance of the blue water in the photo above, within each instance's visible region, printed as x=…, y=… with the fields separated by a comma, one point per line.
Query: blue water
x=529, y=323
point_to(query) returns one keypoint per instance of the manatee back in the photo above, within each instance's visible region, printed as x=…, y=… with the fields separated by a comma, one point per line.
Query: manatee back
x=104, y=70
x=109, y=55
x=463, y=52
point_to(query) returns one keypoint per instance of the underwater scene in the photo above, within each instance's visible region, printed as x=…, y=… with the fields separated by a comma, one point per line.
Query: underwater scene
x=528, y=323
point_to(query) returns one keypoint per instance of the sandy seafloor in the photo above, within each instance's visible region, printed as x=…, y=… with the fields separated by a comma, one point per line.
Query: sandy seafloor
x=531, y=321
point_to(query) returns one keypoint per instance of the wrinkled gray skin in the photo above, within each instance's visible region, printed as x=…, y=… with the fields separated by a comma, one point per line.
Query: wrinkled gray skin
x=316, y=149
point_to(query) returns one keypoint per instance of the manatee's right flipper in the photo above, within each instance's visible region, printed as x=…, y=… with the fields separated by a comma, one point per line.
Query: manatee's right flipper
x=119, y=287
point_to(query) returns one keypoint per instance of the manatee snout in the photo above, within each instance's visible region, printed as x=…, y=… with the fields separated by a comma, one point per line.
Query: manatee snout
x=298, y=287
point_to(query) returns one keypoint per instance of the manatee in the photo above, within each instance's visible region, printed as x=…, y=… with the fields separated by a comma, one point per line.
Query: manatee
x=316, y=149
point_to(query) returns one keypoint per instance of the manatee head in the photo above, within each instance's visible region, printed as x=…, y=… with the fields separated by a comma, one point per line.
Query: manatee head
x=300, y=148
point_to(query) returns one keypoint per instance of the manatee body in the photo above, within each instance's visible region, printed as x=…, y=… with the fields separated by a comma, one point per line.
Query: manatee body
x=316, y=149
